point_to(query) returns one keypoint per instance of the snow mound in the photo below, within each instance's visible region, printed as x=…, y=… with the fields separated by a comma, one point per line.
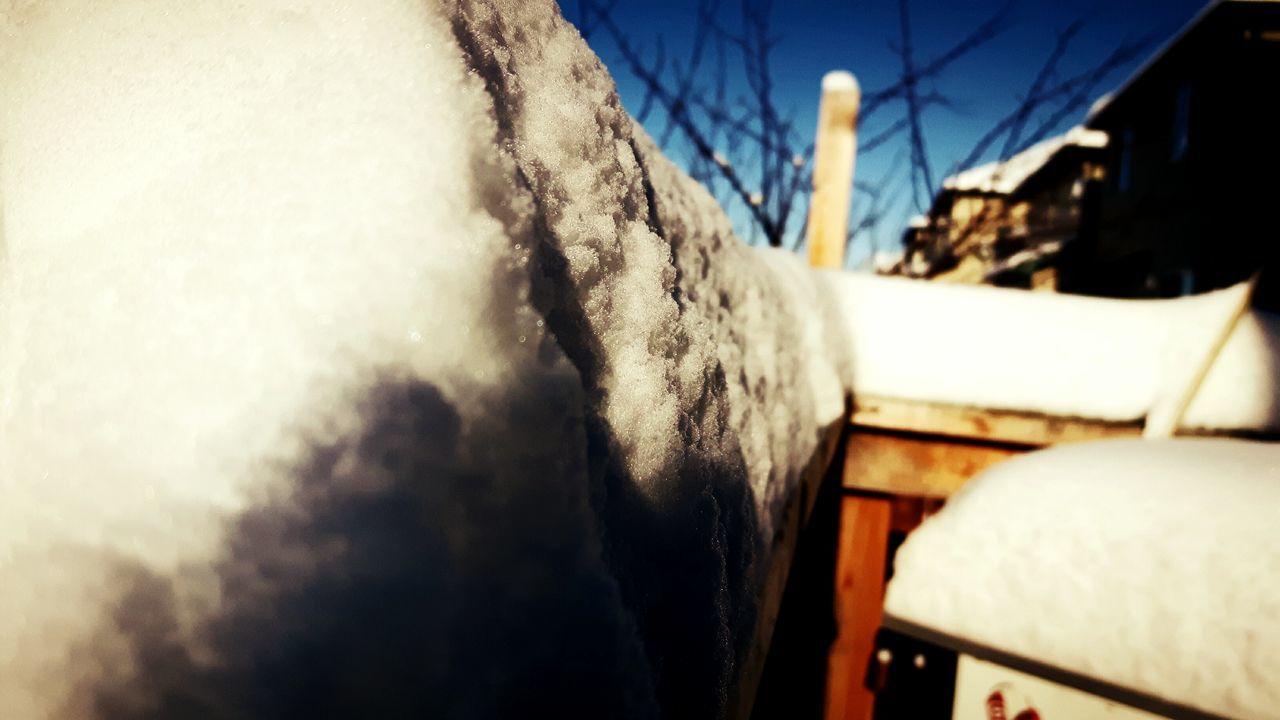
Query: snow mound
x=1067, y=355
x=367, y=359
x=1147, y=564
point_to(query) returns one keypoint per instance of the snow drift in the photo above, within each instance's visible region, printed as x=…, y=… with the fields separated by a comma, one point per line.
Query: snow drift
x=366, y=359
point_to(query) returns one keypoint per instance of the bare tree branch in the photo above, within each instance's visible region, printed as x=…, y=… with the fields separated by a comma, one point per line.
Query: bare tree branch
x=1069, y=95
x=746, y=151
x=1031, y=100
x=1087, y=86
x=771, y=204
x=921, y=172
x=988, y=30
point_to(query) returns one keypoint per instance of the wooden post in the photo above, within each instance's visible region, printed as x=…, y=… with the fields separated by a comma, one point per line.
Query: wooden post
x=833, y=155
x=860, y=564
x=864, y=520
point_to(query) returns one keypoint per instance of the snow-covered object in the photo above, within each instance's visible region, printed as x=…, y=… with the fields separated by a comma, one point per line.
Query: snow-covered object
x=364, y=359
x=1002, y=177
x=1151, y=565
x=1065, y=355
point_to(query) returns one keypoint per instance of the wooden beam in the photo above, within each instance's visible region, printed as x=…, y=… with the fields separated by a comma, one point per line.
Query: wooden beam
x=910, y=510
x=833, y=158
x=903, y=464
x=997, y=426
x=860, y=571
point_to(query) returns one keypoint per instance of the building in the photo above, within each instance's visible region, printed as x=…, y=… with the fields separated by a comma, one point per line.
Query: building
x=1167, y=189
x=1005, y=221
x=1188, y=202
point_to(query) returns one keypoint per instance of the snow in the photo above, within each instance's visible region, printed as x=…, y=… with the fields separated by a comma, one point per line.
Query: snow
x=1148, y=564
x=1097, y=105
x=841, y=81
x=1067, y=355
x=1005, y=176
x=366, y=358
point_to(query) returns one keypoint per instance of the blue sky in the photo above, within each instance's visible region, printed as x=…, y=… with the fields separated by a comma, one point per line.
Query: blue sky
x=858, y=35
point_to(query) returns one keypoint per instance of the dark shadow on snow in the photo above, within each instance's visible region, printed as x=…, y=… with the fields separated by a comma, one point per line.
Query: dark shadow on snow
x=395, y=580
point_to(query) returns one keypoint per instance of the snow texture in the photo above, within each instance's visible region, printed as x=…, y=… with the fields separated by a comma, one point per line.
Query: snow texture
x=1147, y=564
x=367, y=360
x=1066, y=355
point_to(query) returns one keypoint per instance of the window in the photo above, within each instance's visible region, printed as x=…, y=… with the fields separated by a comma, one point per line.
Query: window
x=1182, y=122
x=1188, y=281
x=1124, y=173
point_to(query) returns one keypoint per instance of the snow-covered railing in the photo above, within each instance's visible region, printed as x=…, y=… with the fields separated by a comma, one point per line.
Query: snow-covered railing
x=1061, y=356
x=835, y=148
x=368, y=358
x=951, y=380
x=1126, y=579
x=377, y=362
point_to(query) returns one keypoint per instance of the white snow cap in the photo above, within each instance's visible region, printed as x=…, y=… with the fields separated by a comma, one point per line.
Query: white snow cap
x=841, y=93
x=356, y=354
x=839, y=80
x=1152, y=565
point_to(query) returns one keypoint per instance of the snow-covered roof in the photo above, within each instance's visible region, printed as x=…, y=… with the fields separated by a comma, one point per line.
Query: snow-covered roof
x=1150, y=565
x=1005, y=176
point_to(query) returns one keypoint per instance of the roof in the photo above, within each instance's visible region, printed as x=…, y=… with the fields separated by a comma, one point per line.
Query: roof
x=1101, y=104
x=1005, y=176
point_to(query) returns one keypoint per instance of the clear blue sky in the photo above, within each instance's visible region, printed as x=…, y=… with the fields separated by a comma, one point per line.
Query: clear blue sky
x=858, y=35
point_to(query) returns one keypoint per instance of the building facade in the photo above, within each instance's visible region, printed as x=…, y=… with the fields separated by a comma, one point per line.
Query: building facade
x=1169, y=188
x=1189, y=200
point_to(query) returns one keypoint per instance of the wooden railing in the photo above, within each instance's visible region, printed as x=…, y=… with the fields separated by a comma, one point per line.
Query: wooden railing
x=902, y=459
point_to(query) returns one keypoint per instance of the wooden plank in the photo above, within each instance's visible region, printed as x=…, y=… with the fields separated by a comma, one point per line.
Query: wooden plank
x=998, y=426
x=905, y=464
x=910, y=510
x=781, y=556
x=835, y=146
x=860, y=571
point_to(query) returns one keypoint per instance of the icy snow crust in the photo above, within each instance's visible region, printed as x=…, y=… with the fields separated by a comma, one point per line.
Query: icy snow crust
x=1064, y=355
x=366, y=360
x=1147, y=564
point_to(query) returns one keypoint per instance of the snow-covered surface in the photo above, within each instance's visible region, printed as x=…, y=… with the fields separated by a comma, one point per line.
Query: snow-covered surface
x=1152, y=565
x=364, y=358
x=1005, y=176
x=1056, y=354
